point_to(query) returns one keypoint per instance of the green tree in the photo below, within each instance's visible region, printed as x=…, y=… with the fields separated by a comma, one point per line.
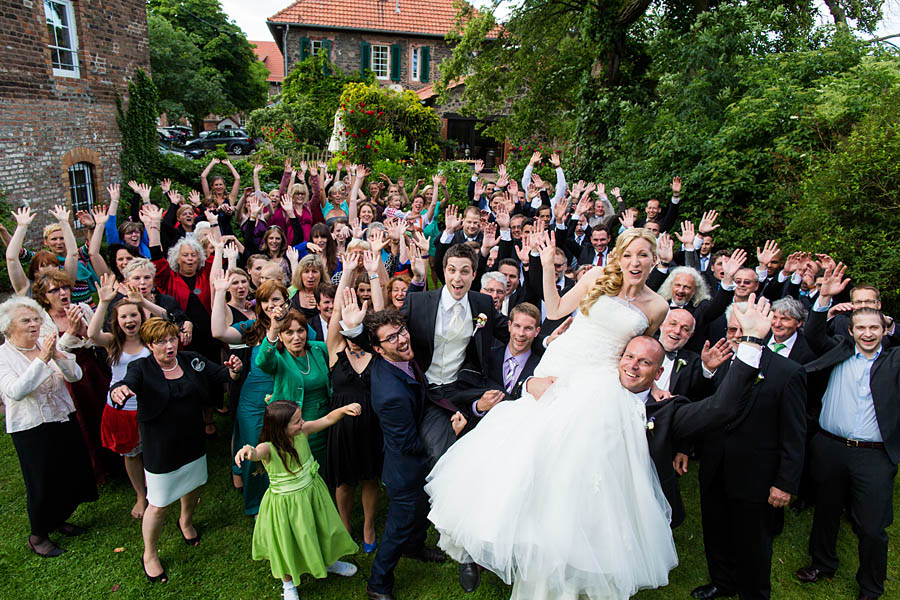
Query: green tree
x=230, y=78
x=137, y=126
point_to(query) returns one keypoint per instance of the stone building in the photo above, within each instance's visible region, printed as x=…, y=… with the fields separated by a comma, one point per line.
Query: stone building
x=61, y=64
x=401, y=41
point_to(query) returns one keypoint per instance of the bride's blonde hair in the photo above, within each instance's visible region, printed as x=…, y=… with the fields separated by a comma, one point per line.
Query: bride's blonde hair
x=611, y=281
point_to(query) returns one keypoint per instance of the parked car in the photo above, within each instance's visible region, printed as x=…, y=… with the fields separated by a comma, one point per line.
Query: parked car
x=167, y=136
x=176, y=135
x=165, y=148
x=234, y=140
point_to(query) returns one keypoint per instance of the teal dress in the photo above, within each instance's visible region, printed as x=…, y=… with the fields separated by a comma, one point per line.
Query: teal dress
x=305, y=381
x=248, y=425
x=298, y=529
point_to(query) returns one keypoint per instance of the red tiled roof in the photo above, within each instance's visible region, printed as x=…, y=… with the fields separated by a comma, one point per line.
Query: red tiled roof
x=427, y=92
x=426, y=17
x=269, y=54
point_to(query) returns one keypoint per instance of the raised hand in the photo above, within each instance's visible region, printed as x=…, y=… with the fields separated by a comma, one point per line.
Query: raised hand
x=535, y=158
x=174, y=197
x=826, y=261
x=107, y=289
x=377, y=240
x=194, y=197
x=351, y=260
x=502, y=218
x=833, y=283
x=584, y=205
x=676, y=186
x=768, y=252
x=479, y=166
x=501, y=170
x=537, y=181
x=451, y=219
x=371, y=262
x=665, y=248
x=628, y=217
x=756, y=318
x=133, y=185
x=143, y=191
x=113, y=191
x=221, y=282
x=211, y=217
x=417, y=263
x=351, y=312
x=792, y=263
x=230, y=253
x=100, y=214
x=616, y=192
x=554, y=160
x=708, y=222
x=687, y=234
x=547, y=250
x=84, y=217
x=287, y=205
x=60, y=213
x=479, y=189
x=254, y=207
x=733, y=264
x=524, y=250
x=715, y=355
x=490, y=236
x=560, y=210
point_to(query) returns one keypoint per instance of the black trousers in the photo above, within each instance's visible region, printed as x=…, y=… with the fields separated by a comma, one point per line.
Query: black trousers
x=737, y=539
x=404, y=532
x=862, y=478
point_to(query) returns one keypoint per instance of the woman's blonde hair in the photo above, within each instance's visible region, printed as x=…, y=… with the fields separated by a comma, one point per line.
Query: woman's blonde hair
x=310, y=262
x=611, y=281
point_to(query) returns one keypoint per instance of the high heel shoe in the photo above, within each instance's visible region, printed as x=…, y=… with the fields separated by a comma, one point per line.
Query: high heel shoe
x=161, y=578
x=194, y=541
x=369, y=548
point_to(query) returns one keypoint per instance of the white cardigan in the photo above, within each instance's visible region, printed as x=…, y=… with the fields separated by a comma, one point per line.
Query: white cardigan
x=34, y=391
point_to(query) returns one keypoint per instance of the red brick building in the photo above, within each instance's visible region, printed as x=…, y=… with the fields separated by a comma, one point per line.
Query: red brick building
x=61, y=64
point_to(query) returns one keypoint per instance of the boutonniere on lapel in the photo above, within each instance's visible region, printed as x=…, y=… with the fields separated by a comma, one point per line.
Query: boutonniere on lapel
x=681, y=363
x=651, y=424
x=760, y=377
x=480, y=321
x=198, y=365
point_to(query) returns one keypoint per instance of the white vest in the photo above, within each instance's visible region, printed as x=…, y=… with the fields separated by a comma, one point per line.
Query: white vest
x=449, y=354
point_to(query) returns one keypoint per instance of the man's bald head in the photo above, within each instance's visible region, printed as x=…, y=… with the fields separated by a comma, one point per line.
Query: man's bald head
x=676, y=329
x=641, y=363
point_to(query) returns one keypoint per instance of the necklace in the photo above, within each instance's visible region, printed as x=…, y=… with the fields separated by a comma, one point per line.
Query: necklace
x=307, y=365
x=20, y=349
x=359, y=354
x=165, y=370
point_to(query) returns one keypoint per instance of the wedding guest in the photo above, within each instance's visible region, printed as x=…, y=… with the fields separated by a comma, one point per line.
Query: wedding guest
x=41, y=422
x=172, y=388
x=20, y=280
x=749, y=470
x=513, y=363
x=856, y=451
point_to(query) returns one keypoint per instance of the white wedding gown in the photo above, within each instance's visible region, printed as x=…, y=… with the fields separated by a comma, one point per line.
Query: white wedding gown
x=560, y=495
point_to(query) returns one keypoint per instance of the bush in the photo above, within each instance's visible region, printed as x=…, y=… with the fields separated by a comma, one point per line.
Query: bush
x=306, y=129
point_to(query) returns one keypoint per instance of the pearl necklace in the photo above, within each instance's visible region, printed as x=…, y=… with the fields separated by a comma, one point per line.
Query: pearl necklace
x=165, y=370
x=20, y=349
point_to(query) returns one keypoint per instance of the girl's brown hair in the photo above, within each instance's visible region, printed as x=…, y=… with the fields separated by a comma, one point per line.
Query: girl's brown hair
x=114, y=350
x=274, y=430
x=40, y=260
x=265, y=291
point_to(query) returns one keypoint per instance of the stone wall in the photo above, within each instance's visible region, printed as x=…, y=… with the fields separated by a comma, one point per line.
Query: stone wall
x=48, y=122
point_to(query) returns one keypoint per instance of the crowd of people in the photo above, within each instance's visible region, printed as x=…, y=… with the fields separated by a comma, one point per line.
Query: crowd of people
x=359, y=343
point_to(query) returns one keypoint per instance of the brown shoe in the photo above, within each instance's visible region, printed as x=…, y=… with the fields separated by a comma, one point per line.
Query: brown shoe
x=811, y=574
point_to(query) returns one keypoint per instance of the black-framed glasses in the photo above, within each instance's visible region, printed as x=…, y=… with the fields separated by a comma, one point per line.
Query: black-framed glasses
x=395, y=337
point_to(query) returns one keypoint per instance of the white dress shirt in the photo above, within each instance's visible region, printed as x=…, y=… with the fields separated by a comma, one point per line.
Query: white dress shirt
x=449, y=352
x=788, y=345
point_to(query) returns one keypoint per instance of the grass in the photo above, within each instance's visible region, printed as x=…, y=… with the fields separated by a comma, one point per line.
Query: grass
x=222, y=568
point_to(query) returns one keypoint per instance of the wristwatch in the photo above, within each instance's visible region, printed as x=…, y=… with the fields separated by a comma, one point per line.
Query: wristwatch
x=753, y=340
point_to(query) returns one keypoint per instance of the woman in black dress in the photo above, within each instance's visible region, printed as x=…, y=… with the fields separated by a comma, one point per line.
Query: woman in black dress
x=172, y=389
x=354, y=449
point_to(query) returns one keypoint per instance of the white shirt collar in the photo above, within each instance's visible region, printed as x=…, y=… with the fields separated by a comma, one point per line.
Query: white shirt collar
x=788, y=343
x=643, y=395
x=447, y=300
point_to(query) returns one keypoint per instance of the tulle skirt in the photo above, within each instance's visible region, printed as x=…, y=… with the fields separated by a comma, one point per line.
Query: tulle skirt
x=559, y=495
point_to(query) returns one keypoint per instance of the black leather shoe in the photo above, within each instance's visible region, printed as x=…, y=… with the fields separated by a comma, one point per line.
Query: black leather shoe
x=811, y=574
x=52, y=552
x=429, y=555
x=469, y=576
x=709, y=591
x=376, y=595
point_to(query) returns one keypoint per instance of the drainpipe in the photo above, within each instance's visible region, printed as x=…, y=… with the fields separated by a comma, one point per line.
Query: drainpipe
x=284, y=37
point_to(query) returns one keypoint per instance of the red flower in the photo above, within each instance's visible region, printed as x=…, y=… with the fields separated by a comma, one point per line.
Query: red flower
x=362, y=103
x=351, y=111
x=364, y=131
x=377, y=142
x=370, y=112
x=368, y=146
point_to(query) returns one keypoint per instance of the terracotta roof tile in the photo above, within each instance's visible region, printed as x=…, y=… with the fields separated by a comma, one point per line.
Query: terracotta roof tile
x=269, y=54
x=427, y=17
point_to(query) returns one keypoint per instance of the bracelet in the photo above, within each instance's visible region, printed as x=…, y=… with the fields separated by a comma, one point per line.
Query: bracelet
x=373, y=276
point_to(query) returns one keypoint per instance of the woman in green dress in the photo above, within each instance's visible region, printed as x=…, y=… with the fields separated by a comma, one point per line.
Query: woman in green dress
x=300, y=369
x=298, y=530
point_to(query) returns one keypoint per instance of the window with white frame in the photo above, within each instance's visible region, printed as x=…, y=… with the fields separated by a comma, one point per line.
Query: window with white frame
x=415, y=66
x=81, y=188
x=315, y=46
x=381, y=61
x=62, y=37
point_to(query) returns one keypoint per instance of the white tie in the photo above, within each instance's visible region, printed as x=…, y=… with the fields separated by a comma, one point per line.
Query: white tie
x=454, y=328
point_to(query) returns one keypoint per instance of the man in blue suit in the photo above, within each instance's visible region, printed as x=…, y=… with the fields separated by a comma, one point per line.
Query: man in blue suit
x=398, y=398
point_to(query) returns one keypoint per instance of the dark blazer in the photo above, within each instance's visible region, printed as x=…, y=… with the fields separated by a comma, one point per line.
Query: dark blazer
x=421, y=312
x=440, y=249
x=705, y=313
x=764, y=445
x=688, y=380
x=677, y=419
x=666, y=220
x=399, y=402
x=494, y=367
x=884, y=378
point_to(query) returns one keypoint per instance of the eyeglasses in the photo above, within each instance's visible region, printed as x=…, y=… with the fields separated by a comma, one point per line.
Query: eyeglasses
x=67, y=288
x=395, y=337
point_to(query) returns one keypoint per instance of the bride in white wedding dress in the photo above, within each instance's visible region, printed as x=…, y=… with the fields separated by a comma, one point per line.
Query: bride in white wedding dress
x=559, y=495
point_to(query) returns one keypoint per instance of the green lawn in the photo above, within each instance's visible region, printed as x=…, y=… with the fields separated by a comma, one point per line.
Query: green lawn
x=222, y=568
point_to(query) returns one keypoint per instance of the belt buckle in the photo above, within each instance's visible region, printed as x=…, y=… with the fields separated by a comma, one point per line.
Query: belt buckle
x=852, y=443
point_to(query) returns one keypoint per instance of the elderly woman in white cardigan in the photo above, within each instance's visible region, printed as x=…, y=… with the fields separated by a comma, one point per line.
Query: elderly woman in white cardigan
x=40, y=419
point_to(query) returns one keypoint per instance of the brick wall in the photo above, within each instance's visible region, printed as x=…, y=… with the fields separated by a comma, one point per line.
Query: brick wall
x=48, y=123
x=346, y=50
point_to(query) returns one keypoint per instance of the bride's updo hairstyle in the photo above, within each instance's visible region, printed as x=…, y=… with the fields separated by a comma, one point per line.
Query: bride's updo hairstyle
x=610, y=282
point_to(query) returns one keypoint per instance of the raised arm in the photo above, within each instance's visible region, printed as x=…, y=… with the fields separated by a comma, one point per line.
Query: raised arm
x=106, y=293
x=350, y=410
x=100, y=217
x=17, y=276
x=236, y=186
x=61, y=214
x=358, y=178
x=219, y=320
x=204, y=183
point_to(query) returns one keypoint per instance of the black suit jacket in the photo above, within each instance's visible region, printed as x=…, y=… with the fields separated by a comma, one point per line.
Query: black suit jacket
x=399, y=402
x=494, y=367
x=884, y=378
x=666, y=220
x=705, y=313
x=687, y=379
x=764, y=445
x=421, y=312
x=677, y=419
x=316, y=324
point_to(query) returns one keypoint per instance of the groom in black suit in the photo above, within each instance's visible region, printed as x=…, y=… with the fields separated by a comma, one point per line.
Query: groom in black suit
x=398, y=398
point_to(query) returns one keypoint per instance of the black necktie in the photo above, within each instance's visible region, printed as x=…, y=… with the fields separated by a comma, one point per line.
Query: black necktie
x=671, y=355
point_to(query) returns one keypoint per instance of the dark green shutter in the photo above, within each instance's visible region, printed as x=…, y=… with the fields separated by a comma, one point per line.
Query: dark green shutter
x=326, y=44
x=304, y=49
x=366, y=55
x=396, y=57
x=424, y=63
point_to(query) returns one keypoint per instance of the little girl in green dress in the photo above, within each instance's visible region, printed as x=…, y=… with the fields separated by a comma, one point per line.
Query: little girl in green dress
x=298, y=529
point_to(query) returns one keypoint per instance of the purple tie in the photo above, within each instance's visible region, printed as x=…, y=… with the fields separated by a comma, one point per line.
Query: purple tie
x=509, y=379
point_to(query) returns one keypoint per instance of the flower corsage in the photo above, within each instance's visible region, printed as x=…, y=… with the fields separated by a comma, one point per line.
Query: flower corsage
x=480, y=321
